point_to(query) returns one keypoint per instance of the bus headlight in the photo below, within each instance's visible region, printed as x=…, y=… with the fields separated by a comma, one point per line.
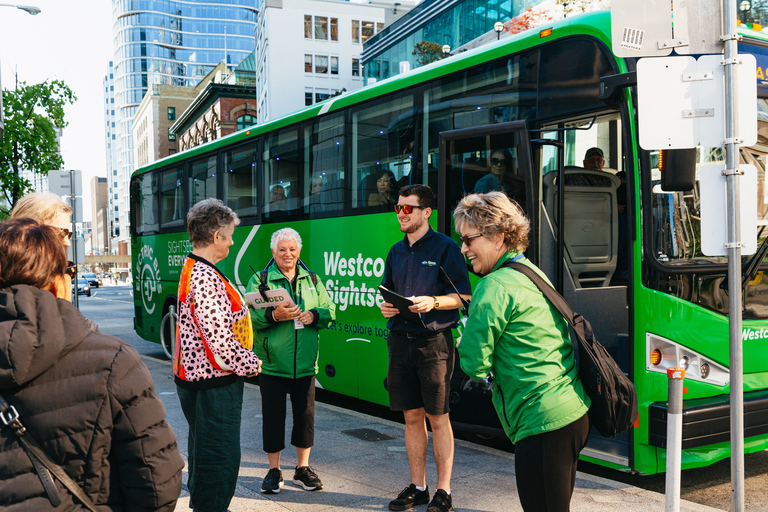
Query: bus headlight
x=662, y=353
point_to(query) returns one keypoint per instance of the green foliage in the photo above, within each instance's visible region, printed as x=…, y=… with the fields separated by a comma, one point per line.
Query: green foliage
x=32, y=115
x=427, y=53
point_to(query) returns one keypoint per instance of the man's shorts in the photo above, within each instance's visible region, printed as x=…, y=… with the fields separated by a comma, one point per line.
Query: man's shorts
x=420, y=369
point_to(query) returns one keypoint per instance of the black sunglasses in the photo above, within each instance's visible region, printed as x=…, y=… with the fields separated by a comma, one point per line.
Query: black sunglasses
x=407, y=208
x=499, y=161
x=65, y=233
x=467, y=240
x=71, y=270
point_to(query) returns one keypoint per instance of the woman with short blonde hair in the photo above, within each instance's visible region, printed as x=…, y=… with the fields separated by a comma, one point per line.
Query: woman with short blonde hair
x=514, y=333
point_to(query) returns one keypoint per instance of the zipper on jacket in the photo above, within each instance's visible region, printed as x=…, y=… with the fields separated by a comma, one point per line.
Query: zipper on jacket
x=266, y=348
x=503, y=405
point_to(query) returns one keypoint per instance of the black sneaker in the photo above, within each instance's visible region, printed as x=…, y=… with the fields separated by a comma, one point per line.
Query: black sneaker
x=441, y=502
x=272, y=482
x=306, y=478
x=409, y=497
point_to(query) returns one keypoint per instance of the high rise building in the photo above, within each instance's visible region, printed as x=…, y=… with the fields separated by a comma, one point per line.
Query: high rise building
x=110, y=143
x=165, y=42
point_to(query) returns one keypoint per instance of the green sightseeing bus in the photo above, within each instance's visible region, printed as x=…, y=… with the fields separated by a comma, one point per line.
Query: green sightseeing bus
x=621, y=246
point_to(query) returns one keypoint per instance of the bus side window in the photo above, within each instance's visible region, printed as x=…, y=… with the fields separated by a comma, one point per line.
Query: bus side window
x=324, y=186
x=172, y=212
x=240, y=184
x=382, y=151
x=202, y=180
x=281, y=171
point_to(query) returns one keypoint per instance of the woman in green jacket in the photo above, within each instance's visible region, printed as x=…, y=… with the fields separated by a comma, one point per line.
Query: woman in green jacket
x=515, y=334
x=286, y=341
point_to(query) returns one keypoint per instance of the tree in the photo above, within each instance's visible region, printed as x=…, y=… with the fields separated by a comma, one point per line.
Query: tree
x=32, y=115
x=427, y=53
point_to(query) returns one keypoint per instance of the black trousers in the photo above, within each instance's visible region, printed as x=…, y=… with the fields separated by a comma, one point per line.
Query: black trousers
x=273, y=409
x=545, y=467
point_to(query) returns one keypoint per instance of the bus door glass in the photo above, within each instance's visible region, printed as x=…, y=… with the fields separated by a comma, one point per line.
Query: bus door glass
x=480, y=160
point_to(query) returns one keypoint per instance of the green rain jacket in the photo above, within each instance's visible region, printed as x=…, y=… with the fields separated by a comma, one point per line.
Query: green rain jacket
x=283, y=350
x=515, y=333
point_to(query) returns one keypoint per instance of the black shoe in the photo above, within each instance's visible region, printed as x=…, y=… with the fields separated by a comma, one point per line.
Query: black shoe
x=306, y=478
x=272, y=482
x=441, y=502
x=409, y=497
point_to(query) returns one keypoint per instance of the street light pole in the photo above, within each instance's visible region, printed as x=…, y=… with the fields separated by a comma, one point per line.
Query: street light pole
x=499, y=28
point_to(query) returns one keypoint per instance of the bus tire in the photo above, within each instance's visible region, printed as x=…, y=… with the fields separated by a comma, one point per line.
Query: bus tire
x=167, y=334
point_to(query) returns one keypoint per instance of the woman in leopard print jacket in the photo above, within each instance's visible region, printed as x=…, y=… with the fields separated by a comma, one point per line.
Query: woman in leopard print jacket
x=212, y=355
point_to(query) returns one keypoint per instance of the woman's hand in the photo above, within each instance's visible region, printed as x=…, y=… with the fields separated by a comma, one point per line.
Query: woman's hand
x=306, y=317
x=284, y=312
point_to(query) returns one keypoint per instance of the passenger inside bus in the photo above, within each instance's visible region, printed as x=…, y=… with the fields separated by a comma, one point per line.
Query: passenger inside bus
x=277, y=199
x=385, y=194
x=501, y=163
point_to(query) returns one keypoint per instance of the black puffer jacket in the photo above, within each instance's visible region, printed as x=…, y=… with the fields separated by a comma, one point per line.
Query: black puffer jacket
x=90, y=401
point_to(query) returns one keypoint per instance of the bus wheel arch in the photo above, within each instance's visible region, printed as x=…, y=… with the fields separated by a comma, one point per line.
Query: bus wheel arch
x=168, y=326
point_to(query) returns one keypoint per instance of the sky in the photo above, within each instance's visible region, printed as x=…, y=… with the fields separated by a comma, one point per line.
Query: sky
x=70, y=40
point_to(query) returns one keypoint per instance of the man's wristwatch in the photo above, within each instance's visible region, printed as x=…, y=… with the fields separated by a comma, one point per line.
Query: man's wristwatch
x=437, y=304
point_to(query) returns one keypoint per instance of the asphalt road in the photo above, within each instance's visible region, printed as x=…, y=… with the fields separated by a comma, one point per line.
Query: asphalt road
x=111, y=307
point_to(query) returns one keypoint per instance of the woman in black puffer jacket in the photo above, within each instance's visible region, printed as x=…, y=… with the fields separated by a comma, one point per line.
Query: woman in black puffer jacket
x=85, y=397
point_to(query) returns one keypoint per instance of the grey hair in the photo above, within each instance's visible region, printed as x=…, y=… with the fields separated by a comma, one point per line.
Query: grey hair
x=284, y=234
x=207, y=217
x=492, y=213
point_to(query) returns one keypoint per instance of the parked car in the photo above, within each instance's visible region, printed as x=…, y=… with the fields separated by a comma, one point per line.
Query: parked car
x=82, y=286
x=93, y=279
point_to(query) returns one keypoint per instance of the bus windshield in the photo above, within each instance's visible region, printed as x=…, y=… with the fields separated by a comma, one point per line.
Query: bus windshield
x=677, y=215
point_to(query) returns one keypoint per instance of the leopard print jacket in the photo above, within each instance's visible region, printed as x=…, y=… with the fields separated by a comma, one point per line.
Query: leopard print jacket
x=214, y=336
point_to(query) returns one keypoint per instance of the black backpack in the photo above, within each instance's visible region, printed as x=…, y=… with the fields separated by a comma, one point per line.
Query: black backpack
x=614, y=399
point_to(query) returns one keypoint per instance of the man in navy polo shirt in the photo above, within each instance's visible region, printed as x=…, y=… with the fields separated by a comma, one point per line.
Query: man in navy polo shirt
x=421, y=354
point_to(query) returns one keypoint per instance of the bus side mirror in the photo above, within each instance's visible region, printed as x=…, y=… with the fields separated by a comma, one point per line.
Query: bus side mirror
x=678, y=169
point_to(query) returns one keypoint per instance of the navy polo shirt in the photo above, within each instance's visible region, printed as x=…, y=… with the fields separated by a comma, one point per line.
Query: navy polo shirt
x=413, y=271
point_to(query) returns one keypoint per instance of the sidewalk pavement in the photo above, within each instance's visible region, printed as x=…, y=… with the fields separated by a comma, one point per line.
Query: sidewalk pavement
x=363, y=465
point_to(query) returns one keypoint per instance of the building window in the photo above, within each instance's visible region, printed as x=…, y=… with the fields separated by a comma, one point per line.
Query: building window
x=355, y=67
x=379, y=27
x=321, y=95
x=171, y=136
x=321, y=64
x=308, y=96
x=307, y=62
x=171, y=151
x=334, y=65
x=321, y=28
x=245, y=121
x=334, y=29
x=307, y=27
x=171, y=113
x=367, y=31
x=355, y=32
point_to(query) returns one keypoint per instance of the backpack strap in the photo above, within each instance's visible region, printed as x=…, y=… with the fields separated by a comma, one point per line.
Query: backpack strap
x=549, y=292
x=42, y=462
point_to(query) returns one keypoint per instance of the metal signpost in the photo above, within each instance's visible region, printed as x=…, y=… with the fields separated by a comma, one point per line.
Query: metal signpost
x=69, y=184
x=645, y=29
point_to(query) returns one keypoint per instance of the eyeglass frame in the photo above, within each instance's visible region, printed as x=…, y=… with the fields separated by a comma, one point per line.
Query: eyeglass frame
x=66, y=233
x=403, y=207
x=498, y=161
x=71, y=270
x=467, y=240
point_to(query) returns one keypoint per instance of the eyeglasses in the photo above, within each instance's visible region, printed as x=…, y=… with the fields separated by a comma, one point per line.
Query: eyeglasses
x=407, y=208
x=499, y=161
x=71, y=270
x=467, y=240
x=65, y=233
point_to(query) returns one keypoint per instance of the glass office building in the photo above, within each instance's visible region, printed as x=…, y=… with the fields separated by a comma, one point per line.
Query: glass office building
x=170, y=42
x=451, y=22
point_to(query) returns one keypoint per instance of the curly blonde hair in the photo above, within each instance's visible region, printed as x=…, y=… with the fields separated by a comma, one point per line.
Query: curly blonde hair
x=492, y=213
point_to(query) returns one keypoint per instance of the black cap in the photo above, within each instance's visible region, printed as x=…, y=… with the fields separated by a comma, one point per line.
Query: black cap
x=592, y=151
